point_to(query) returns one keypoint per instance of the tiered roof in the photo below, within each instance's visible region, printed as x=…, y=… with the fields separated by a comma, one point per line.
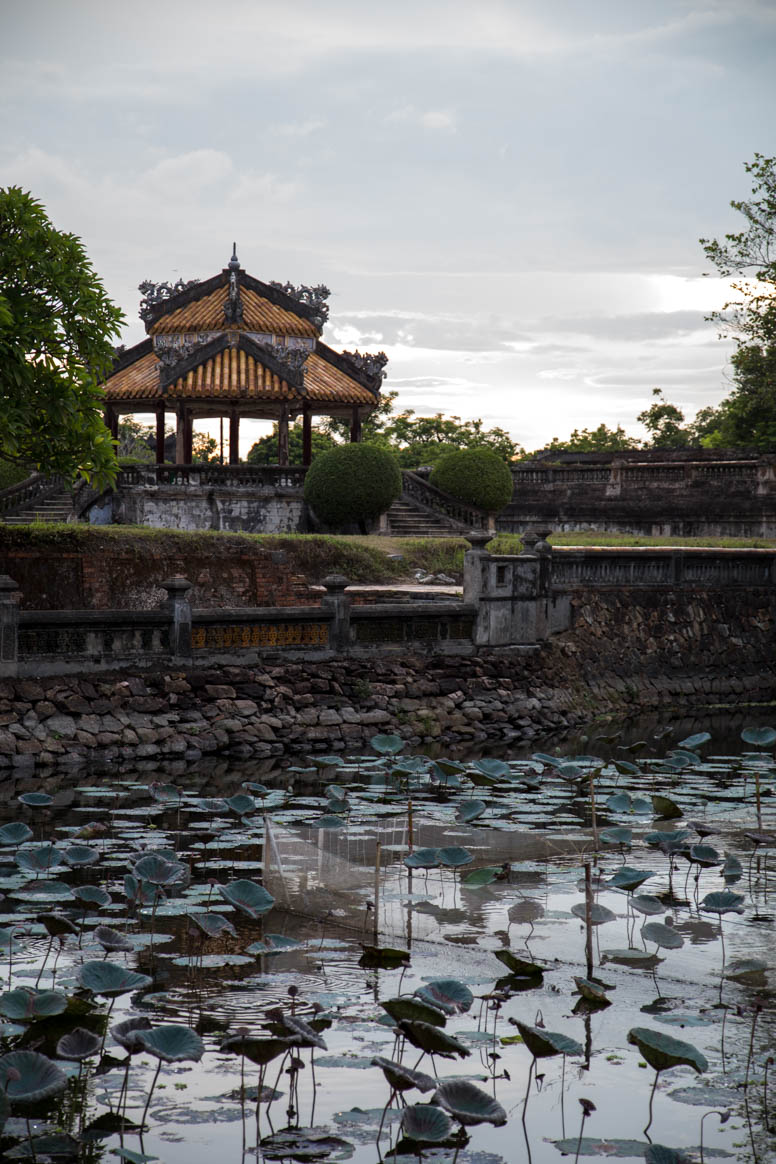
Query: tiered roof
x=233, y=339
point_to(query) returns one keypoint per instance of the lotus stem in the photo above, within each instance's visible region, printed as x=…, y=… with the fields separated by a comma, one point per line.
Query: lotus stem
x=150, y=1093
x=651, y=1098
x=724, y=1116
x=45, y=960
x=588, y=920
x=768, y=1063
x=378, y=859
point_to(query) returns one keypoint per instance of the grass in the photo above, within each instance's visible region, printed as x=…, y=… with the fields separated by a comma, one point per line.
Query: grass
x=361, y=559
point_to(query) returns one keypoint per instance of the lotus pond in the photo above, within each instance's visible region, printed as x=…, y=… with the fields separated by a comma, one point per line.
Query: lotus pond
x=389, y=957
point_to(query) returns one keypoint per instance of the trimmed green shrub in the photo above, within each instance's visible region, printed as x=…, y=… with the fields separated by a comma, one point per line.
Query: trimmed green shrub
x=477, y=476
x=352, y=484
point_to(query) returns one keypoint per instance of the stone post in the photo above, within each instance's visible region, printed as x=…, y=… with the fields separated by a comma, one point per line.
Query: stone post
x=177, y=605
x=337, y=601
x=9, y=627
x=475, y=582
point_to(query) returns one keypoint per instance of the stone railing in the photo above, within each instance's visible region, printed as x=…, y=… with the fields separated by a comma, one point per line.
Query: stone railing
x=619, y=475
x=458, y=513
x=34, y=488
x=639, y=567
x=269, y=477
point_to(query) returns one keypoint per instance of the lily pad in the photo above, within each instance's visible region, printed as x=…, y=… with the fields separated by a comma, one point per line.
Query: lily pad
x=759, y=737
x=446, y=994
x=426, y=1124
x=519, y=966
x=15, y=833
x=78, y=1044
x=723, y=901
x=414, y=1010
x=432, y=1040
x=469, y=1104
x=422, y=859
x=247, y=896
x=25, y=1005
x=173, y=1043
x=454, y=856
x=662, y=935
x=479, y=878
x=665, y=808
x=387, y=745
x=599, y=914
x=662, y=1051
x=544, y=1044
x=403, y=1078
x=27, y=1077
x=110, y=980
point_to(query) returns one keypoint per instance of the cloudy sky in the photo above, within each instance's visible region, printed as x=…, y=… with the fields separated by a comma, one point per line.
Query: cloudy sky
x=504, y=195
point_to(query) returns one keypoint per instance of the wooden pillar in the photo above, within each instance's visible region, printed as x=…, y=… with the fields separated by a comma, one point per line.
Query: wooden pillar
x=283, y=435
x=234, y=437
x=188, y=452
x=307, y=435
x=355, y=425
x=180, y=435
x=160, y=435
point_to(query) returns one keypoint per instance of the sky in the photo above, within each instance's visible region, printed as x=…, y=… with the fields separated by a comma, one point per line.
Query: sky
x=506, y=196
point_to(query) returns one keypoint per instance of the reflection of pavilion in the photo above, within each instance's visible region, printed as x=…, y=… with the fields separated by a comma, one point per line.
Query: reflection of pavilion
x=234, y=347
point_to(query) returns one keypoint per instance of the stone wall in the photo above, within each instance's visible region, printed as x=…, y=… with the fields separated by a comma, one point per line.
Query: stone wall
x=192, y=508
x=122, y=576
x=668, y=651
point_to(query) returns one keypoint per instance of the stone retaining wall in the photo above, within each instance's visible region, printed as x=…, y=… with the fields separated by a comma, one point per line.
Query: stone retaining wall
x=669, y=650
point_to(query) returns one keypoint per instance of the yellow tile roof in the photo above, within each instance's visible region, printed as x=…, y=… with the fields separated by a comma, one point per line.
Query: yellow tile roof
x=234, y=374
x=259, y=314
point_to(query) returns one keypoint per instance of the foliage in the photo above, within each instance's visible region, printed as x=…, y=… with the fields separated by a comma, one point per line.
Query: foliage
x=664, y=423
x=352, y=484
x=597, y=440
x=56, y=324
x=265, y=451
x=477, y=476
x=748, y=415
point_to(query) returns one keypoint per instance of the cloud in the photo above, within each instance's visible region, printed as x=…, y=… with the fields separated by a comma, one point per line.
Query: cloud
x=296, y=129
x=433, y=119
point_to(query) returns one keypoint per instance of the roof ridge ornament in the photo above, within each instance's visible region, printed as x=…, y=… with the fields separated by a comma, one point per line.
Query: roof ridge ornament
x=371, y=363
x=313, y=297
x=233, y=307
x=156, y=293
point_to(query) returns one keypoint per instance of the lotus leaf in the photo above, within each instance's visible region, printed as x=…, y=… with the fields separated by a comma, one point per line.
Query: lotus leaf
x=78, y=1044
x=662, y=1051
x=469, y=1104
x=599, y=914
x=647, y=904
x=619, y=802
x=132, y=1157
x=303, y=1144
x=591, y=991
x=57, y=925
x=616, y=836
x=327, y=822
x=126, y=1033
x=414, y=1010
x=158, y=870
x=324, y=762
x=164, y=793
x=110, y=980
x=724, y=901
x=403, y=1078
x=572, y=773
x=173, y=1043
x=46, y=1147
x=479, y=878
x=247, y=896
x=383, y=957
x=273, y=944
x=79, y=856
x=454, y=856
x=629, y=879
x=626, y=768
x=142, y=892
x=470, y=810
x=732, y=869
x=27, y=1077
x=39, y=860
x=297, y=1031
x=387, y=745
x=259, y=1051
x=241, y=804
x=746, y=969
x=695, y=741
x=112, y=941
x=92, y=895
x=660, y=1154
x=631, y=957
x=519, y=966
x=447, y=994
x=426, y=1124
x=671, y=839
x=448, y=768
x=527, y=911
x=43, y=891
x=422, y=859
x=337, y=807
x=704, y=855
x=760, y=737
x=36, y=799
x=662, y=935
x=543, y=1044
x=543, y=758
x=212, y=924
x=431, y=1039
x=492, y=768
x=25, y=1004
x=15, y=833
x=665, y=808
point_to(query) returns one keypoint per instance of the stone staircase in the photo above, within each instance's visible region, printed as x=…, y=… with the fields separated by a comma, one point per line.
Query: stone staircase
x=57, y=507
x=406, y=520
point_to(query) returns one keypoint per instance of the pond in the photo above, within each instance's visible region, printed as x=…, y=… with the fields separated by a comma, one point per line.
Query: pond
x=573, y=953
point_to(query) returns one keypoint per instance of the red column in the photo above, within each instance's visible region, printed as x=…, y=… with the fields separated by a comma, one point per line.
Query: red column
x=283, y=435
x=160, y=436
x=188, y=436
x=234, y=437
x=355, y=425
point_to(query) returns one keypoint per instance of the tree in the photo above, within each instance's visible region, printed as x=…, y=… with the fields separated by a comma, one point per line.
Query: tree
x=597, y=440
x=477, y=476
x=265, y=451
x=352, y=485
x=748, y=415
x=56, y=327
x=664, y=422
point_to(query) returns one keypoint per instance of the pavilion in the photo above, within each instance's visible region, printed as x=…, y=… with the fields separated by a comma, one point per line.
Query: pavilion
x=233, y=347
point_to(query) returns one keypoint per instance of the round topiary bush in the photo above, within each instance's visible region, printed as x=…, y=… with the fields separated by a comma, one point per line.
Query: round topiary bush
x=477, y=476
x=352, y=484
